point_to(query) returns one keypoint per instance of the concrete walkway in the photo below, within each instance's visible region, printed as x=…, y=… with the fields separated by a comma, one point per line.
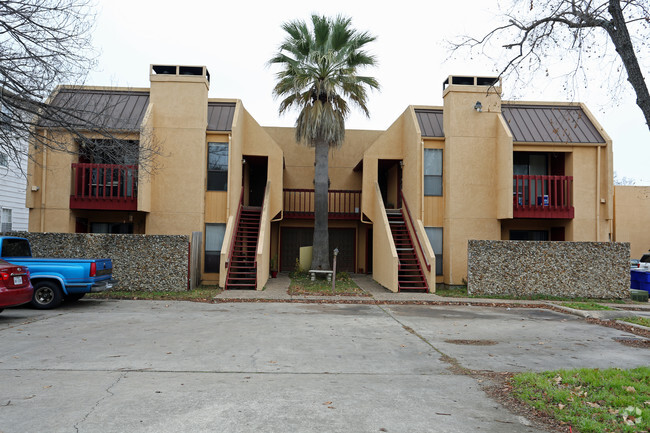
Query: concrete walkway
x=276, y=289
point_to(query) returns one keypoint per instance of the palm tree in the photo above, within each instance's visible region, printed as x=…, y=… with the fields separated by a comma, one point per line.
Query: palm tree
x=318, y=76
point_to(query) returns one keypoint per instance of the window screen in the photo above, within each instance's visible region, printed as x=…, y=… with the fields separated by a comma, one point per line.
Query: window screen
x=433, y=172
x=435, y=239
x=5, y=220
x=213, y=240
x=217, y=166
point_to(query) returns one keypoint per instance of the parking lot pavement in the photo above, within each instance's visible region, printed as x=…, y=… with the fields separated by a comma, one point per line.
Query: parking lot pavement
x=140, y=366
x=520, y=339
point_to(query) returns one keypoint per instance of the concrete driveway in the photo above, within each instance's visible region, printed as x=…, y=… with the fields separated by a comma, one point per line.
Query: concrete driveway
x=141, y=366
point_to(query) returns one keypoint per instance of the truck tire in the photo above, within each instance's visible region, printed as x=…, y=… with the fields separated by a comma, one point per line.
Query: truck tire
x=73, y=297
x=46, y=295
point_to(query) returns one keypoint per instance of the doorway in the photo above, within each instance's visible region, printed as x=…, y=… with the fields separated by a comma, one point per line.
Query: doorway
x=254, y=179
x=389, y=178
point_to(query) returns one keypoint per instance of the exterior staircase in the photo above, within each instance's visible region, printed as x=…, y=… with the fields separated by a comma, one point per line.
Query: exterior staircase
x=410, y=276
x=242, y=267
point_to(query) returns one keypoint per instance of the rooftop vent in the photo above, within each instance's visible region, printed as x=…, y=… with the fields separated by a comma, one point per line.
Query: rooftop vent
x=197, y=71
x=470, y=81
x=163, y=69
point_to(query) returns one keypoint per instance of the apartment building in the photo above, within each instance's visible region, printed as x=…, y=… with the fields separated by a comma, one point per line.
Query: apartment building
x=403, y=202
x=13, y=213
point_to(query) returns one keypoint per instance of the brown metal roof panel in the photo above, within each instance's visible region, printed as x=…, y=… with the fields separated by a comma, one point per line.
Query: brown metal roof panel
x=584, y=127
x=549, y=123
x=430, y=121
x=538, y=125
x=220, y=116
x=108, y=109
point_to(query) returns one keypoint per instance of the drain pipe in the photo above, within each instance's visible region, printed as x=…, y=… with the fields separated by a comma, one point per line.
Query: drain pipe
x=598, y=194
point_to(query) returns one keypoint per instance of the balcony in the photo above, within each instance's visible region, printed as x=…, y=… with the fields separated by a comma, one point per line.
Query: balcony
x=104, y=187
x=342, y=204
x=542, y=197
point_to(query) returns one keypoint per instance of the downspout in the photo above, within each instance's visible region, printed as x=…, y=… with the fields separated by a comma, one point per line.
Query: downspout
x=598, y=195
x=229, y=173
x=43, y=186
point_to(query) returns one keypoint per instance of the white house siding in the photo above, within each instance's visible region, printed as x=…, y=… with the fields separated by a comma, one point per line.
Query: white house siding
x=12, y=193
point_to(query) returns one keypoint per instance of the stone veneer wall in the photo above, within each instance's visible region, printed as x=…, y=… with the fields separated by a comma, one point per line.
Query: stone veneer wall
x=140, y=262
x=570, y=269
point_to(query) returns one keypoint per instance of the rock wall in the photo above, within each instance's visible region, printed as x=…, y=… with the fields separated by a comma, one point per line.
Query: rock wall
x=567, y=269
x=140, y=262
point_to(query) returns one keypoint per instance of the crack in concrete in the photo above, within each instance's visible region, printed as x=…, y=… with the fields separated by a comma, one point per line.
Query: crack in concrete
x=454, y=365
x=32, y=321
x=252, y=372
x=92, y=409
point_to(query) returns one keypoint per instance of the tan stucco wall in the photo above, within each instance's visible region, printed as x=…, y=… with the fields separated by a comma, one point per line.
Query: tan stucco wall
x=180, y=122
x=469, y=162
x=632, y=218
x=388, y=145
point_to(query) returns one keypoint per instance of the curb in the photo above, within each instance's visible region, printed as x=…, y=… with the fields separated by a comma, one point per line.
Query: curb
x=634, y=325
x=594, y=314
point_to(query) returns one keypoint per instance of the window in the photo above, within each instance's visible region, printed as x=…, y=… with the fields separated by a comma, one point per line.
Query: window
x=112, y=228
x=213, y=241
x=528, y=235
x=217, y=166
x=433, y=172
x=530, y=163
x=5, y=220
x=4, y=160
x=435, y=239
x=99, y=151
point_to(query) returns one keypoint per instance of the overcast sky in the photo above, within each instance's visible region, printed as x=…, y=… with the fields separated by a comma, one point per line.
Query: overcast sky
x=234, y=40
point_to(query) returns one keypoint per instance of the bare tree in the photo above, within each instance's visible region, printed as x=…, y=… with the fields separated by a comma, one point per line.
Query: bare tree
x=623, y=180
x=44, y=43
x=575, y=31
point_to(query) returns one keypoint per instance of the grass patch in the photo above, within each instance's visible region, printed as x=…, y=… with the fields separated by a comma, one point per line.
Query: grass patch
x=301, y=284
x=643, y=321
x=200, y=294
x=591, y=400
x=461, y=292
x=585, y=306
x=453, y=292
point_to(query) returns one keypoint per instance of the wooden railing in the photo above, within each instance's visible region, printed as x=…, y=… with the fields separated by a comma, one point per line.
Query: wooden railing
x=234, y=229
x=414, y=231
x=104, y=186
x=341, y=204
x=542, y=196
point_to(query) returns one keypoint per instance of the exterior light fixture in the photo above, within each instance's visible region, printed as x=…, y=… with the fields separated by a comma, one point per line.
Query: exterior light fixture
x=478, y=106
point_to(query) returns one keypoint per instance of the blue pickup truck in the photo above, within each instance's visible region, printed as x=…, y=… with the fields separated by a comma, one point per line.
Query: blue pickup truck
x=55, y=280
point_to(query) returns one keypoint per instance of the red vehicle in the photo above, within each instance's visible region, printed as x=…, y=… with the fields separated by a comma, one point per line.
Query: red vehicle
x=15, y=288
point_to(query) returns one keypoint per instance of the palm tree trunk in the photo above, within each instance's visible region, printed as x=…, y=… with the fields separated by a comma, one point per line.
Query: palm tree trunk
x=320, y=257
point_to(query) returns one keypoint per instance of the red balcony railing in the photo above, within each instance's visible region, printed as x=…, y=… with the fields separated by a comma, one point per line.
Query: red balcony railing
x=104, y=187
x=542, y=196
x=341, y=204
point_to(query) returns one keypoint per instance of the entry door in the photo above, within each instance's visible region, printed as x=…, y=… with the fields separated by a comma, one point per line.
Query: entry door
x=292, y=238
x=257, y=176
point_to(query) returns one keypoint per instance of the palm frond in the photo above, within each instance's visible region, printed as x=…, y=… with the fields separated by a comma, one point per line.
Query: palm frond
x=319, y=66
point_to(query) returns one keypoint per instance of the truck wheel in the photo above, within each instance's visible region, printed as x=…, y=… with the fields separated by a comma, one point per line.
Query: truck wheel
x=46, y=295
x=73, y=297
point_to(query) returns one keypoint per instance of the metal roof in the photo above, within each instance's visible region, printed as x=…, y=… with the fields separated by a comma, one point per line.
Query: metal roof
x=109, y=109
x=430, y=122
x=220, y=115
x=550, y=124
